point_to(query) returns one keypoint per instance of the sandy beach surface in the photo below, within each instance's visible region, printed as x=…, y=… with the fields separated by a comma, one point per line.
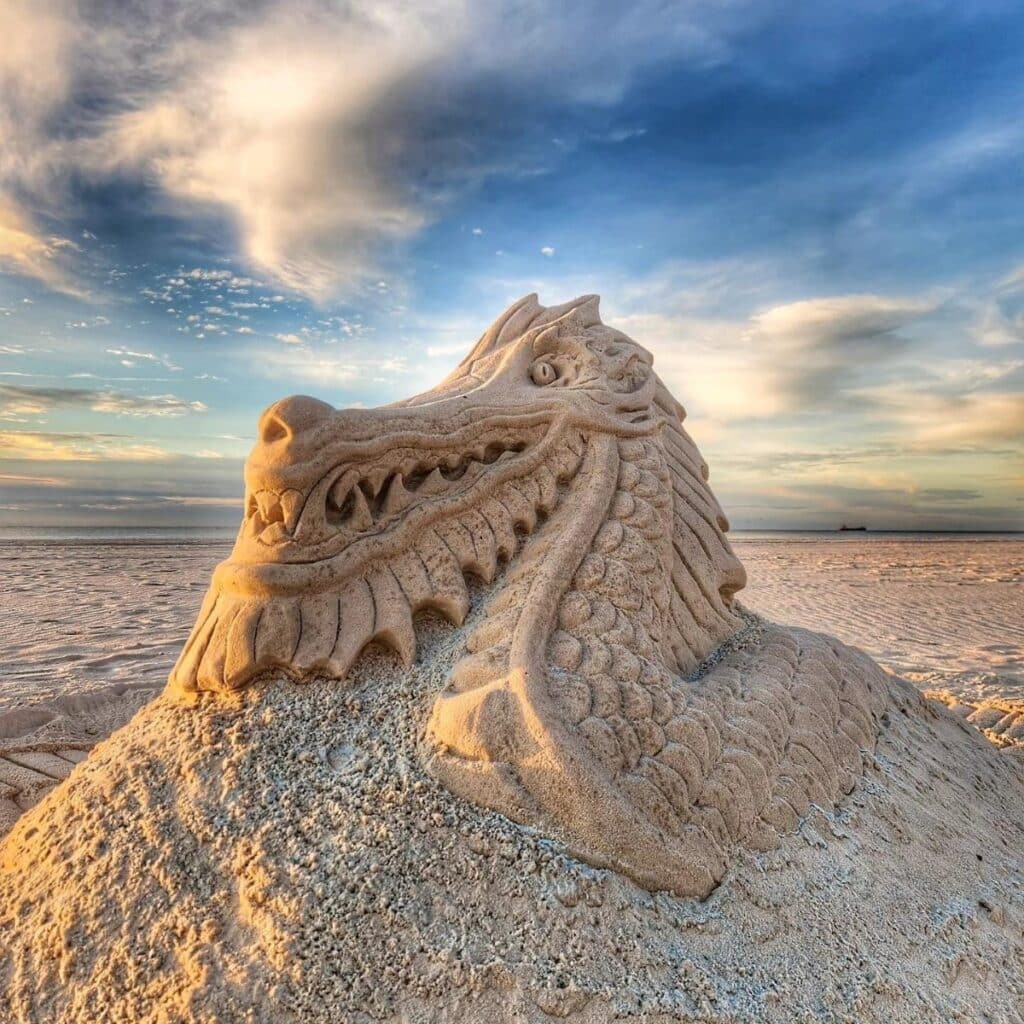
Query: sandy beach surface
x=944, y=611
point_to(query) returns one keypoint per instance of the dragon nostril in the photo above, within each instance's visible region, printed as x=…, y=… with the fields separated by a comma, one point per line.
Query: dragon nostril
x=272, y=429
x=292, y=416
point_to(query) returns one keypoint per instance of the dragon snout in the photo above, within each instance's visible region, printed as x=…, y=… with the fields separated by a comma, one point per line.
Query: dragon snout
x=292, y=417
x=288, y=435
x=324, y=476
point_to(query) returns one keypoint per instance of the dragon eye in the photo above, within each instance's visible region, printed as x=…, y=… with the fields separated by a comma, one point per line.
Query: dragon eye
x=542, y=373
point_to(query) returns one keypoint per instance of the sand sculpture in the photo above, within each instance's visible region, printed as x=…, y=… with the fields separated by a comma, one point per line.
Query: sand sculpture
x=591, y=703
x=302, y=828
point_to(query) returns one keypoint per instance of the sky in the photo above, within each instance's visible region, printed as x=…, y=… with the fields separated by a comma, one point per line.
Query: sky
x=812, y=215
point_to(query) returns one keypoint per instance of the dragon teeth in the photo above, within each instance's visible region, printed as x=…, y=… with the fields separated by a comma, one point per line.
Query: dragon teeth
x=397, y=497
x=326, y=632
x=291, y=507
x=361, y=516
x=375, y=479
x=433, y=484
x=269, y=506
x=339, y=492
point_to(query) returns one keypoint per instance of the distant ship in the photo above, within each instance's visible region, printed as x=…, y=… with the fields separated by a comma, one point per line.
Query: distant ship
x=845, y=528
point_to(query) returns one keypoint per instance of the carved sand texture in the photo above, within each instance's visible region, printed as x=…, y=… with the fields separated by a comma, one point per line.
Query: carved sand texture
x=1000, y=719
x=580, y=707
x=41, y=744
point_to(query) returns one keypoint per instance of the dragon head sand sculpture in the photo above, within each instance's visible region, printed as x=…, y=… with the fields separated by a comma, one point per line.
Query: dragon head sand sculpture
x=587, y=703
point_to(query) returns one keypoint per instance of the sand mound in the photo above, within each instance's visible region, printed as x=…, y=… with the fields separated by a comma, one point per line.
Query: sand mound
x=288, y=858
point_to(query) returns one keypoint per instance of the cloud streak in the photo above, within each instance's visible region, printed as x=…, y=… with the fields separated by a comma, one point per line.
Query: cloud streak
x=24, y=250
x=43, y=446
x=18, y=401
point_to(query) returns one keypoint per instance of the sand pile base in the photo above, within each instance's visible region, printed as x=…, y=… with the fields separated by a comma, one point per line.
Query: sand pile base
x=285, y=858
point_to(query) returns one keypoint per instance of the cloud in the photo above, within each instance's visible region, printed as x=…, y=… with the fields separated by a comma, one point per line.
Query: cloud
x=78, y=478
x=547, y=250
x=282, y=125
x=126, y=353
x=150, y=405
x=289, y=338
x=364, y=368
x=786, y=359
x=24, y=250
x=324, y=134
x=199, y=501
x=1001, y=318
x=26, y=478
x=948, y=494
x=227, y=278
x=18, y=401
x=865, y=322
x=928, y=419
x=73, y=447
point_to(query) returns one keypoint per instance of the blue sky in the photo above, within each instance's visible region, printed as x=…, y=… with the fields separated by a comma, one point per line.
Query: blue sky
x=811, y=214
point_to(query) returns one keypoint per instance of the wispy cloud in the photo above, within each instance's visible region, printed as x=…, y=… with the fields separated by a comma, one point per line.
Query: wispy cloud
x=24, y=249
x=301, y=365
x=74, y=447
x=129, y=356
x=322, y=132
x=839, y=321
x=17, y=401
x=935, y=420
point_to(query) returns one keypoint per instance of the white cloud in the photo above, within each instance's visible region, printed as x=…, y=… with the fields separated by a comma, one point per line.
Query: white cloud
x=839, y=320
x=289, y=338
x=547, y=250
x=785, y=359
x=305, y=365
x=323, y=132
x=201, y=501
x=272, y=129
x=25, y=250
x=928, y=419
x=71, y=447
x=129, y=355
x=148, y=405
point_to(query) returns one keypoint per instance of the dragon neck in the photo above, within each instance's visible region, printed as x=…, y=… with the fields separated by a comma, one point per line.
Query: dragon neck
x=624, y=584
